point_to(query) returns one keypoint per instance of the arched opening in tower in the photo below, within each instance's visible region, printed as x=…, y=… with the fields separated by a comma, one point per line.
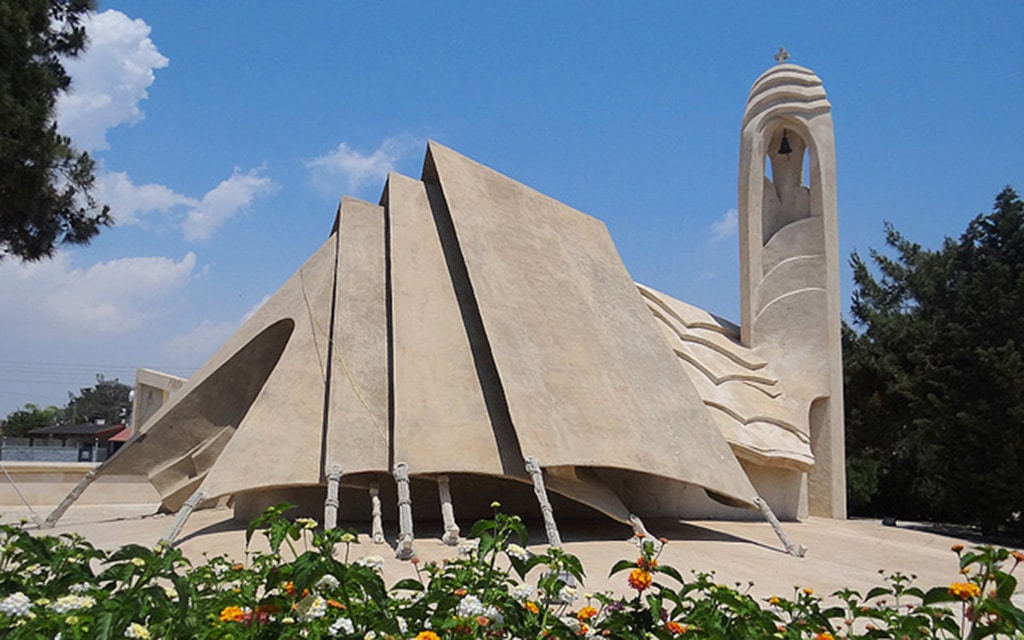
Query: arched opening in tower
x=786, y=181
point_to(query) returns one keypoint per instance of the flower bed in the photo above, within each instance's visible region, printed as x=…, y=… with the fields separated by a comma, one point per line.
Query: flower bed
x=308, y=585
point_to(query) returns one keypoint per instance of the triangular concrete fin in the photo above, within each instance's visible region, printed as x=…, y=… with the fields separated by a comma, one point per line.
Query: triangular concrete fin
x=442, y=422
x=357, y=426
x=585, y=370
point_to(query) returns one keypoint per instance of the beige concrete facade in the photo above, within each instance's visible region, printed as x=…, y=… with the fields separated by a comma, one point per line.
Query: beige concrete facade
x=467, y=322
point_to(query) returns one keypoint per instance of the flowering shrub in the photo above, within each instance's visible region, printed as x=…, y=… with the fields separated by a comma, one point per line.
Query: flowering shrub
x=308, y=586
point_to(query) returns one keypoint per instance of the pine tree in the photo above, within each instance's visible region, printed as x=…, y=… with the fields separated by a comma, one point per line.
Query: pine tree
x=935, y=374
x=45, y=184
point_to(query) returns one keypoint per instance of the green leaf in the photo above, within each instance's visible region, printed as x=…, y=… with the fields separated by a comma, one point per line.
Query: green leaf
x=408, y=584
x=104, y=622
x=938, y=594
x=671, y=572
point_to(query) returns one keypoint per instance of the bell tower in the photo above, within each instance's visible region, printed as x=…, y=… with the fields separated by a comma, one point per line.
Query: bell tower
x=789, y=278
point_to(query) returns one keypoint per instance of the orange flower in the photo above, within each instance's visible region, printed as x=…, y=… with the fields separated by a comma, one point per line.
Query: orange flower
x=964, y=590
x=232, y=614
x=1018, y=556
x=335, y=604
x=427, y=635
x=237, y=566
x=646, y=564
x=289, y=587
x=531, y=607
x=639, y=579
x=460, y=592
x=824, y=636
x=583, y=630
x=957, y=548
x=483, y=621
x=675, y=628
x=586, y=613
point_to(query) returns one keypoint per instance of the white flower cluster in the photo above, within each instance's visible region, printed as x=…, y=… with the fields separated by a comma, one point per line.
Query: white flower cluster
x=471, y=607
x=72, y=602
x=16, y=605
x=137, y=631
x=343, y=624
x=370, y=635
x=523, y=592
x=306, y=523
x=469, y=546
x=517, y=552
x=328, y=582
x=316, y=607
x=81, y=587
x=567, y=595
x=374, y=562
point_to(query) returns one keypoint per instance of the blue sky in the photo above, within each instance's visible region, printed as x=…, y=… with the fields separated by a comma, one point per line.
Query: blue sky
x=226, y=133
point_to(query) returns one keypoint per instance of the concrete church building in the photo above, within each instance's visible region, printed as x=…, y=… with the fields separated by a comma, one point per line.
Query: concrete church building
x=469, y=339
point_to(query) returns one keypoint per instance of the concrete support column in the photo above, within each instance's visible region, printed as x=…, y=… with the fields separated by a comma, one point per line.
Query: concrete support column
x=406, y=547
x=451, y=530
x=331, y=504
x=537, y=476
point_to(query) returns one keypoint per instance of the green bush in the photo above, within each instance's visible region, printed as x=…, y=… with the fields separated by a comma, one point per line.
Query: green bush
x=63, y=587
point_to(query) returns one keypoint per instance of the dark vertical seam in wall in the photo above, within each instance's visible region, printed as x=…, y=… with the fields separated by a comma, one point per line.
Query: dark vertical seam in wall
x=389, y=316
x=330, y=348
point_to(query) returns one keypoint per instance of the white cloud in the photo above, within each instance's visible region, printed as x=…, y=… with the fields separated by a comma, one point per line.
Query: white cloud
x=256, y=307
x=109, y=79
x=127, y=200
x=725, y=226
x=105, y=298
x=346, y=169
x=225, y=201
x=199, y=344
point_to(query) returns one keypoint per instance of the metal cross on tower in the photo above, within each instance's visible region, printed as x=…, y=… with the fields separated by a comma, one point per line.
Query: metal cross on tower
x=782, y=55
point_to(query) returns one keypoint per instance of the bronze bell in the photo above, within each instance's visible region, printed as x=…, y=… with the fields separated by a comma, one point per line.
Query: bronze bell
x=784, y=147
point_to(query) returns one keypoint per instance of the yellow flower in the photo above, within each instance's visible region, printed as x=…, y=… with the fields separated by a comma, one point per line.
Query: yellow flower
x=427, y=635
x=586, y=613
x=774, y=600
x=639, y=579
x=824, y=636
x=531, y=607
x=809, y=591
x=964, y=590
x=232, y=614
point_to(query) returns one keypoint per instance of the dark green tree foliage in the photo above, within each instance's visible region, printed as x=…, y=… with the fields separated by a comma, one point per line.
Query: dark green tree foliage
x=29, y=417
x=107, y=400
x=45, y=184
x=934, y=369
